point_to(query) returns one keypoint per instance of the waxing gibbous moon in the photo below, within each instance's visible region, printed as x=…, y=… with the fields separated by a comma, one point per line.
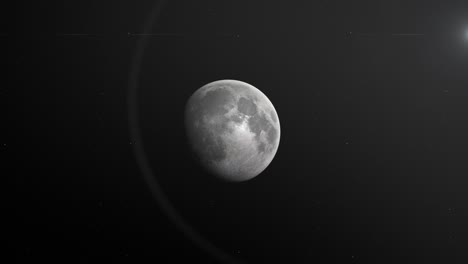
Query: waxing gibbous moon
x=232, y=128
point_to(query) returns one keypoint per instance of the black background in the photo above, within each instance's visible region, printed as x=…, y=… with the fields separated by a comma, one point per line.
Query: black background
x=372, y=162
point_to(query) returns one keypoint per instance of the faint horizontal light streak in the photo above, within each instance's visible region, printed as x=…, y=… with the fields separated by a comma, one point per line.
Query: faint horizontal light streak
x=181, y=35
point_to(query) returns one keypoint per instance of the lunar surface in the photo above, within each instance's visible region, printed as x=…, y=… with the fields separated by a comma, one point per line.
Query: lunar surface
x=233, y=129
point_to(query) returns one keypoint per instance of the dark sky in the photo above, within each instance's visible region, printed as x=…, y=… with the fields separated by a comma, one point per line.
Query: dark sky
x=372, y=99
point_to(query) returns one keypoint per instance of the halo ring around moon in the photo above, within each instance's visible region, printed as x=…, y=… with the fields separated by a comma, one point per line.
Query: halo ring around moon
x=139, y=152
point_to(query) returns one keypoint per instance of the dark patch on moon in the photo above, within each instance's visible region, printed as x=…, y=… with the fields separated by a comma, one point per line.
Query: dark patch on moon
x=247, y=106
x=261, y=147
x=257, y=123
x=271, y=135
x=214, y=102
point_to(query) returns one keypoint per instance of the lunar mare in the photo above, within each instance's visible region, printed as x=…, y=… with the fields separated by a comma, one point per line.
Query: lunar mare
x=233, y=129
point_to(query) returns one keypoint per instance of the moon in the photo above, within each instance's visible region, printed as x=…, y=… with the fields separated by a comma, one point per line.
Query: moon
x=233, y=129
